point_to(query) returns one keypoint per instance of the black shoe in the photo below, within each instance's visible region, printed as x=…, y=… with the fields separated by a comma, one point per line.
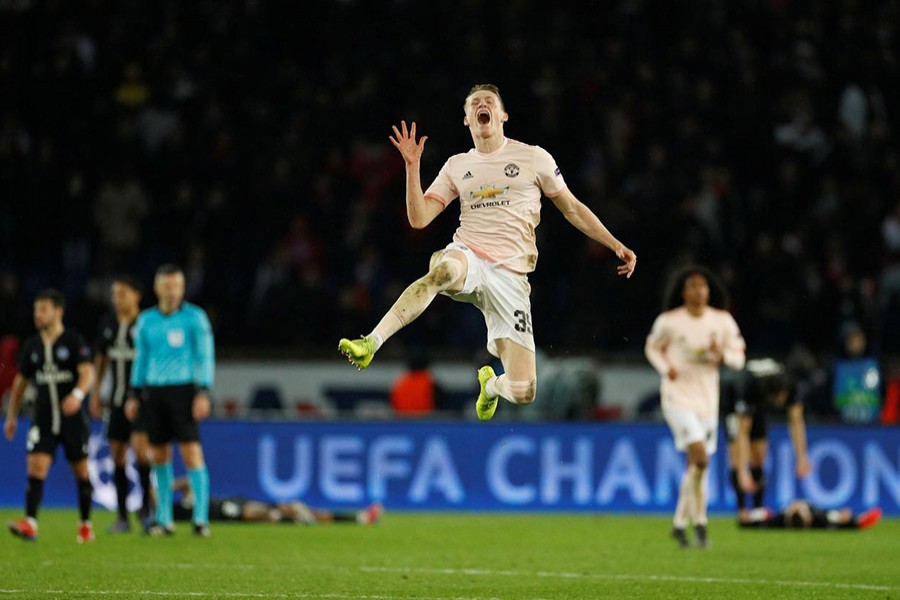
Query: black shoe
x=201, y=530
x=680, y=535
x=700, y=533
x=157, y=530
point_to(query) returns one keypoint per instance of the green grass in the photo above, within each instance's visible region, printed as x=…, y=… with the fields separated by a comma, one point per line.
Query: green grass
x=452, y=556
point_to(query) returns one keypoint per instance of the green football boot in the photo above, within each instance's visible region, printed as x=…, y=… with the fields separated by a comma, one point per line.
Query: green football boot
x=359, y=352
x=486, y=406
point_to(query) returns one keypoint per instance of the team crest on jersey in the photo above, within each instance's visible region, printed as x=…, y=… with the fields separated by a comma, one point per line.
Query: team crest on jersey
x=34, y=357
x=107, y=333
x=511, y=170
x=175, y=338
x=62, y=353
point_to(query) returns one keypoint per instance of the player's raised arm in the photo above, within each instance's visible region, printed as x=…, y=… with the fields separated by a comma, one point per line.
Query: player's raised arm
x=583, y=219
x=419, y=210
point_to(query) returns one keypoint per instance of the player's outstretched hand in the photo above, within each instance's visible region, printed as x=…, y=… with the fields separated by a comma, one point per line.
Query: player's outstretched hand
x=746, y=482
x=405, y=141
x=803, y=467
x=628, y=257
x=9, y=428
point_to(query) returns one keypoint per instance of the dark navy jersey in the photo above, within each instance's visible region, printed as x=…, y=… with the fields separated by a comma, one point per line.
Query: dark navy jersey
x=115, y=341
x=53, y=369
x=747, y=393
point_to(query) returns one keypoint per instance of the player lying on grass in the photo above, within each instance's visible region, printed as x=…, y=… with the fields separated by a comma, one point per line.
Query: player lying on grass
x=800, y=514
x=237, y=508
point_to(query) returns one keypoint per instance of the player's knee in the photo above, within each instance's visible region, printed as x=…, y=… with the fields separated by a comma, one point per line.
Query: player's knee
x=444, y=272
x=523, y=392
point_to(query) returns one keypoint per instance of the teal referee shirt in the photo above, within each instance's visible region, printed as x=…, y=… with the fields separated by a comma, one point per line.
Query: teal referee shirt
x=173, y=349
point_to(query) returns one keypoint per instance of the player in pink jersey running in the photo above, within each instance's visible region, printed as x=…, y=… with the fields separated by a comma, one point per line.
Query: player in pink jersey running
x=499, y=184
x=687, y=345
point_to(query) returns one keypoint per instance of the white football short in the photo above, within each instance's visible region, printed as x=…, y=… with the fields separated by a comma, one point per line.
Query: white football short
x=504, y=298
x=687, y=428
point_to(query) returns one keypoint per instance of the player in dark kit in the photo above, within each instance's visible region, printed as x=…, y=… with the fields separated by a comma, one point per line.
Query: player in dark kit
x=244, y=510
x=764, y=385
x=114, y=348
x=58, y=362
x=800, y=514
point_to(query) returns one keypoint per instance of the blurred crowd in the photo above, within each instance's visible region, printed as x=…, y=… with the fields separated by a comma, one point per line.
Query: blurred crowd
x=247, y=141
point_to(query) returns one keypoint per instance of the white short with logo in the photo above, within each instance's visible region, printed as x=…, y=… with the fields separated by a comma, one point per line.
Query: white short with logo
x=504, y=298
x=687, y=428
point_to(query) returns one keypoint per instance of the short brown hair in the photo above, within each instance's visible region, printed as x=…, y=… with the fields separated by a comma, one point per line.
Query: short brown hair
x=54, y=297
x=487, y=87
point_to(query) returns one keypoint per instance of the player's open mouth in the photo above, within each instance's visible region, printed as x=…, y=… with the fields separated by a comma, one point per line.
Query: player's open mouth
x=484, y=117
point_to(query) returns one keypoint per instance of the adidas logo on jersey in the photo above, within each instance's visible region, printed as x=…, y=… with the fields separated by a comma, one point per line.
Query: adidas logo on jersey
x=468, y=175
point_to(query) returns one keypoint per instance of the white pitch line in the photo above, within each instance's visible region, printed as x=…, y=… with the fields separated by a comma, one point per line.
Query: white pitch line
x=630, y=577
x=467, y=572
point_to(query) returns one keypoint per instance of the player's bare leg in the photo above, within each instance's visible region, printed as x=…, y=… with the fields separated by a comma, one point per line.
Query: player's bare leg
x=518, y=384
x=447, y=272
x=697, y=475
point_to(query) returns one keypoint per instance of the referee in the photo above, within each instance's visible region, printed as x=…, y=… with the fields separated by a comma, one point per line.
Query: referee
x=170, y=381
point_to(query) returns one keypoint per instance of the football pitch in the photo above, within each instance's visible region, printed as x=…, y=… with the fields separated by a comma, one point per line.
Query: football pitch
x=440, y=556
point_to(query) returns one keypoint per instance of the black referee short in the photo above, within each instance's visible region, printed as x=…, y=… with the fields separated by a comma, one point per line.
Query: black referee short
x=119, y=428
x=169, y=414
x=74, y=433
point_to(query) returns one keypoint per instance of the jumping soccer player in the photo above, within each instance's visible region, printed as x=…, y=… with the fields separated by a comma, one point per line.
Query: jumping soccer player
x=58, y=362
x=687, y=344
x=171, y=377
x=499, y=184
x=115, y=347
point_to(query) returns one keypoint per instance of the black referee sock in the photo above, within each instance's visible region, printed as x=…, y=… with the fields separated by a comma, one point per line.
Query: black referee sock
x=120, y=478
x=760, y=493
x=144, y=476
x=85, y=489
x=34, y=493
x=738, y=492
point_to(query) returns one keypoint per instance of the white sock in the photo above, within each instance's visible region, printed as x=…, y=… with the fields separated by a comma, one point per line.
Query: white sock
x=684, y=510
x=498, y=386
x=377, y=339
x=700, y=484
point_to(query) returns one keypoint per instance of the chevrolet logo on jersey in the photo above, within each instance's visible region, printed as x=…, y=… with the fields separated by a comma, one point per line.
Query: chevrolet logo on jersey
x=487, y=192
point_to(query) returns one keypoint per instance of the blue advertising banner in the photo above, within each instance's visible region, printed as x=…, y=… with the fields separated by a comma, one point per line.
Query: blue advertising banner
x=493, y=466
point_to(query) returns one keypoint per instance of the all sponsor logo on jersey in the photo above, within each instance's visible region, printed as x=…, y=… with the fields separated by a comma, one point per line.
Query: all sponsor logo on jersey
x=511, y=170
x=488, y=194
x=175, y=338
